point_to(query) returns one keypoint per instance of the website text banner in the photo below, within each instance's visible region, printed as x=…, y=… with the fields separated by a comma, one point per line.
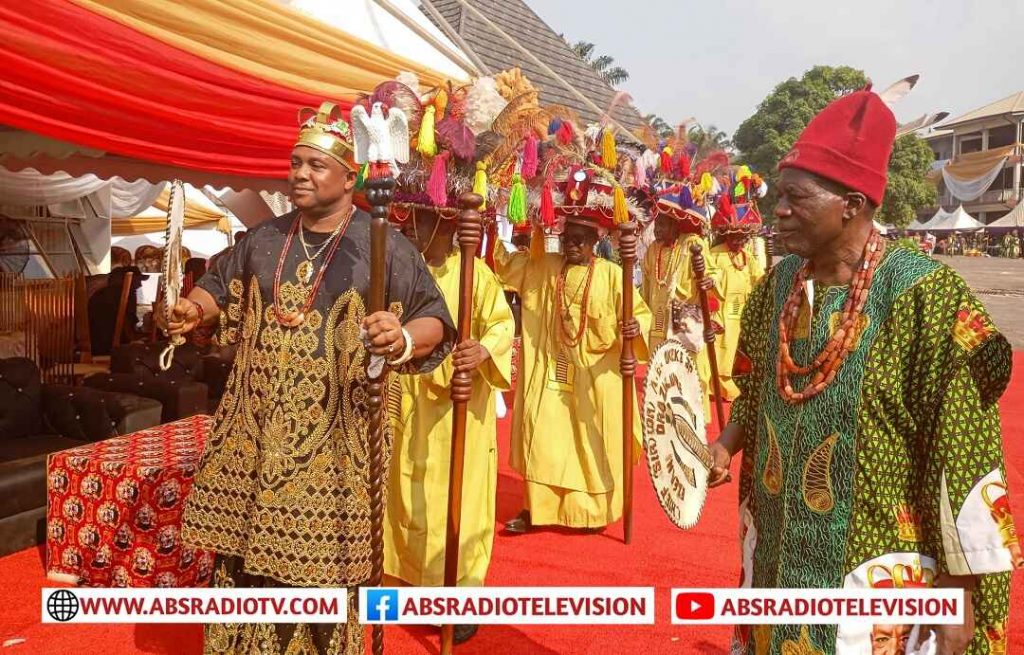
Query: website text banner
x=193, y=605
x=507, y=605
x=818, y=606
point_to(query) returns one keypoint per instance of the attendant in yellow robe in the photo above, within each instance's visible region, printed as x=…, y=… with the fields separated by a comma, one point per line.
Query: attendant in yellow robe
x=567, y=425
x=737, y=271
x=415, y=523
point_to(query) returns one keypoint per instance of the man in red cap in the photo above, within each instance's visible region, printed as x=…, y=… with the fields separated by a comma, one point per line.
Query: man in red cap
x=869, y=378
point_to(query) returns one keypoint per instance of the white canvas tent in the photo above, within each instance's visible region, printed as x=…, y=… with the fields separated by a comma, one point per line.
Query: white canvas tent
x=958, y=220
x=1013, y=219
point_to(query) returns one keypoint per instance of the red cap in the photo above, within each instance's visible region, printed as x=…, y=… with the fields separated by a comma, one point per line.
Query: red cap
x=848, y=142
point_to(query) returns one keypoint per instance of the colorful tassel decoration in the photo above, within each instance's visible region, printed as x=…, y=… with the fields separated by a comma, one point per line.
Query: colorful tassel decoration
x=640, y=174
x=609, y=156
x=707, y=183
x=686, y=199
x=547, y=203
x=565, y=134
x=378, y=170
x=684, y=165
x=426, y=145
x=516, y=211
x=480, y=182
x=437, y=185
x=441, y=102
x=364, y=171
x=619, y=207
x=666, y=160
x=553, y=125
x=530, y=156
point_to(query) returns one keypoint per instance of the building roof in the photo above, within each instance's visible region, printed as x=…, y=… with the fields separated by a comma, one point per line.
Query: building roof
x=1012, y=104
x=527, y=29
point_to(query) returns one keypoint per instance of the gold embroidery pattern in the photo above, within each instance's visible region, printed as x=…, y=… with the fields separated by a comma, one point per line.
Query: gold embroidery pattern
x=817, y=478
x=772, y=476
x=284, y=481
x=803, y=646
x=762, y=639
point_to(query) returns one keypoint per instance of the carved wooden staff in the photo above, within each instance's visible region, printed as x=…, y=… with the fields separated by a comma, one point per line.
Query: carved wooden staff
x=699, y=270
x=470, y=235
x=379, y=192
x=627, y=365
x=769, y=249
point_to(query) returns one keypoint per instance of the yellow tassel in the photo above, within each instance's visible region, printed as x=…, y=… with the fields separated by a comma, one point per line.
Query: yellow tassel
x=480, y=182
x=619, y=206
x=707, y=183
x=609, y=156
x=441, y=102
x=425, y=143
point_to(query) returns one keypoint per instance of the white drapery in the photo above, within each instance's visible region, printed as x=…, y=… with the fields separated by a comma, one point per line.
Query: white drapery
x=29, y=188
x=968, y=190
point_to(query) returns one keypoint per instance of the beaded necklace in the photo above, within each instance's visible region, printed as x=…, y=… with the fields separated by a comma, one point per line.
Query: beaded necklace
x=565, y=333
x=827, y=364
x=296, y=318
x=676, y=255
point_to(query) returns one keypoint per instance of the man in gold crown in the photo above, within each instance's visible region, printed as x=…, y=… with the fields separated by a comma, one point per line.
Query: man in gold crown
x=567, y=423
x=868, y=419
x=282, y=494
x=415, y=521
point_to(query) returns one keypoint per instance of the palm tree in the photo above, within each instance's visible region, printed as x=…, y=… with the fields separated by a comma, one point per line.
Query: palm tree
x=658, y=125
x=708, y=139
x=602, y=64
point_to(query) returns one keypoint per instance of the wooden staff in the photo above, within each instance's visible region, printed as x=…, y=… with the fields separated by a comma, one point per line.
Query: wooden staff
x=716, y=384
x=769, y=249
x=470, y=235
x=379, y=192
x=627, y=366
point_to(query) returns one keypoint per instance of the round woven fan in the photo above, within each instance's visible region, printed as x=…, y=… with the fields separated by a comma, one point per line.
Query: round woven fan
x=171, y=273
x=674, y=434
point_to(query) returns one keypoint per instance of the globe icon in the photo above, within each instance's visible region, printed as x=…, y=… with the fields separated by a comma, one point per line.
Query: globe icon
x=62, y=605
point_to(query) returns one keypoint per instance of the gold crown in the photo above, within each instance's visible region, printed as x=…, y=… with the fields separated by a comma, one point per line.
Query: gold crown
x=900, y=576
x=996, y=637
x=999, y=508
x=908, y=522
x=971, y=328
x=326, y=131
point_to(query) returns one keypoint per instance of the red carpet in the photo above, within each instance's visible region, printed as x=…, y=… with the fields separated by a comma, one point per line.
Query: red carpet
x=660, y=555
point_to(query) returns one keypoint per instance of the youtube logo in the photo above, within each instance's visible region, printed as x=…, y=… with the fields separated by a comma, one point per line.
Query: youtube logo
x=694, y=606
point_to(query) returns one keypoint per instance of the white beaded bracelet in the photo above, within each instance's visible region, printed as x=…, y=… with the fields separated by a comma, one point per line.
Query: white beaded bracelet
x=407, y=353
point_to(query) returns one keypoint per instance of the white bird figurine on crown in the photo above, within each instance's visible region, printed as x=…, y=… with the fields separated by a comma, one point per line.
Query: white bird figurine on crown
x=383, y=142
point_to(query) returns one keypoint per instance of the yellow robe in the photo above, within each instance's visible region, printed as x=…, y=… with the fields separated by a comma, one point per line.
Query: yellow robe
x=686, y=290
x=567, y=425
x=732, y=287
x=416, y=515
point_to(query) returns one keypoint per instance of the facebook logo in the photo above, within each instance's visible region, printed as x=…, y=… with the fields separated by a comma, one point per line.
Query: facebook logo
x=382, y=604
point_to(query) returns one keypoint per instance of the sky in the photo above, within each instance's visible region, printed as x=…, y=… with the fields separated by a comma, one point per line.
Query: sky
x=716, y=60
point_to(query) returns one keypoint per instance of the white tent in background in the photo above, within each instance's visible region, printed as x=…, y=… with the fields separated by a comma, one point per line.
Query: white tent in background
x=1013, y=219
x=958, y=220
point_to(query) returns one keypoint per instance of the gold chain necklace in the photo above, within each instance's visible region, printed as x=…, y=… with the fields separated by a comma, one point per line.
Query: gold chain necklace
x=304, y=271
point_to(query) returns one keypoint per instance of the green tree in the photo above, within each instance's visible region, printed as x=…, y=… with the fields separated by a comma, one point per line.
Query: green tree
x=908, y=189
x=707, y=140
x=602, y=64
x=658, y=125
x=764, y=138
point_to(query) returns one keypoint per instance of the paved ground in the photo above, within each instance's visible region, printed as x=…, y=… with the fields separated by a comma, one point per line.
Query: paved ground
x=999, y=283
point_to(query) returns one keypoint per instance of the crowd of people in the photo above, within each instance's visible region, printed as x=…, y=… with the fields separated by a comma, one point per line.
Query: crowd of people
x=863, y=377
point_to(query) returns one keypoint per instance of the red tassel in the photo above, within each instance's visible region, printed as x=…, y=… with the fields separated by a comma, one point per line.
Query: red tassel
x=565, y=134
x=379, y=169
x=437, y=185
x=725, y=208
x=666, y=162
x=530, y=156
x=547, y=204
x=684, y=165
x=492, y=240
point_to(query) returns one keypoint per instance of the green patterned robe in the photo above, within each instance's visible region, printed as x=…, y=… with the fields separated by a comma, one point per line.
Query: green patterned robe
x=891, y=476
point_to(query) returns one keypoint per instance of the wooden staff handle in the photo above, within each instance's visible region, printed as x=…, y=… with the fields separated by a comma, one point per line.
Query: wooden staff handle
x=470, y=235
x=699, y=269
x=627, y=366
x=769, y=249
x=379, y=192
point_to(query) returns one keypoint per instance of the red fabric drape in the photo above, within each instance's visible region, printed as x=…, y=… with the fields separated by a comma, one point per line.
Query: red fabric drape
x=76, y=76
